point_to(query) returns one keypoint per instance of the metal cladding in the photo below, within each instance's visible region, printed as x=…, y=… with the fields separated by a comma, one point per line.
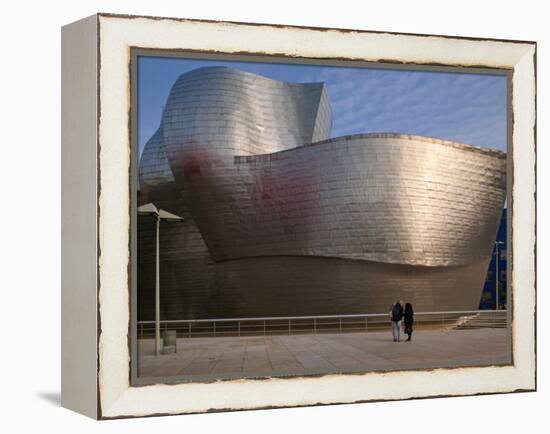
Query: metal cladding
x=281, y=220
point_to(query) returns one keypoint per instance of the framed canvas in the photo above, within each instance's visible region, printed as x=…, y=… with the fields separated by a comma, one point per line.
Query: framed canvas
x=257, y=216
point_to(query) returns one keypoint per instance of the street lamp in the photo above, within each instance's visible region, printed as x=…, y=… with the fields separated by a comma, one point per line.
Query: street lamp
x=160, y=214
x=497, y=280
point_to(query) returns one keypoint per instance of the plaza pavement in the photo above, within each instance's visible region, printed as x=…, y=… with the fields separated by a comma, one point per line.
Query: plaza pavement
x=227, y=357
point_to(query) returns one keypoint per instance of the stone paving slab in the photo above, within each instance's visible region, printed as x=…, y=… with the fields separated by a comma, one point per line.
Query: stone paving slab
x=224, y=357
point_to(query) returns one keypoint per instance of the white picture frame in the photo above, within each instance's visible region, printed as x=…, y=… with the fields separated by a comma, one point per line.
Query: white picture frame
x=96, y=246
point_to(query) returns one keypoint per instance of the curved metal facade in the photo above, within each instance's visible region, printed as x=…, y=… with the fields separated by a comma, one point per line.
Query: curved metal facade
x=282, y=220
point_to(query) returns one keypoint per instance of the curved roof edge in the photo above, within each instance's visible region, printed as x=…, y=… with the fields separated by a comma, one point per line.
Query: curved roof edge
x=429, y=139
x=471, y=148
x=242, y=72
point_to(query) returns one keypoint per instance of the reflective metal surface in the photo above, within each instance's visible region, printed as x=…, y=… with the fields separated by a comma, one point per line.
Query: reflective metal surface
x=281, y=220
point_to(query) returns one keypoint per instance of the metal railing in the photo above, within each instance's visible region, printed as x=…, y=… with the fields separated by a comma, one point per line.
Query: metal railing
x=320, y=324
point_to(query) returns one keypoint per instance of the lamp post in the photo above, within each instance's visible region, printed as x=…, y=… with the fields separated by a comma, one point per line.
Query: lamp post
x=497, y=279
x=160, y=214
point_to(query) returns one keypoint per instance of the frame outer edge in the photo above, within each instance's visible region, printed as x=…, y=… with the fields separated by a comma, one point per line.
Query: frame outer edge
x=79, y=319
x=127, y=403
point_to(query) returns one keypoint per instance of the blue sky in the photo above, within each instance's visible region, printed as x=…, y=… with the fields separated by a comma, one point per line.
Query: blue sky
x=467, y=108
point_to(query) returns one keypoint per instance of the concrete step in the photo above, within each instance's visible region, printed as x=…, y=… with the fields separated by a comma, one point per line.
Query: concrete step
x=494, y=320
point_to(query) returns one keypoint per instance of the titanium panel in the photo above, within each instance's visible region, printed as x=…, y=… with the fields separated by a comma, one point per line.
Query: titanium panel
x=282, y=220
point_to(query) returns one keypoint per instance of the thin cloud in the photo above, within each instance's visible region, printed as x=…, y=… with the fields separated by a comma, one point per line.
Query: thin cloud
x=469, y=108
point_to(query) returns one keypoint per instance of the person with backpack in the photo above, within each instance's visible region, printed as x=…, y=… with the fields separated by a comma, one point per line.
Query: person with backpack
x=396, y=315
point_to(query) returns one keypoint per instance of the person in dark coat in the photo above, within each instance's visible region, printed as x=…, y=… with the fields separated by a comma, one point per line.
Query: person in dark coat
x=396, y=315
x=409, y=320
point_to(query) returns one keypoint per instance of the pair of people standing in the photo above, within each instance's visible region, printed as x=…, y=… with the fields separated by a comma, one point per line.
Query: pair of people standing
x=397, y=314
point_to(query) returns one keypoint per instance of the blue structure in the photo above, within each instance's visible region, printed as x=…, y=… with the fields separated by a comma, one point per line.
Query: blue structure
x=497, y=271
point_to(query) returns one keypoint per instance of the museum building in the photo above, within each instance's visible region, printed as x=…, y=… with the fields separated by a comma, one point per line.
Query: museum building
x=280, y=219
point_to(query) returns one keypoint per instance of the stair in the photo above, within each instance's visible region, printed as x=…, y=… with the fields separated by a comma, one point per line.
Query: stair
x=497, y=319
